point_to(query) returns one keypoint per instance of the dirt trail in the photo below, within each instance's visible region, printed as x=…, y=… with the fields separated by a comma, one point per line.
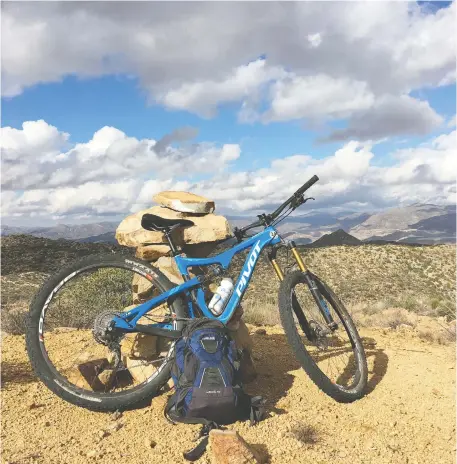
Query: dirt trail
x=407, y=417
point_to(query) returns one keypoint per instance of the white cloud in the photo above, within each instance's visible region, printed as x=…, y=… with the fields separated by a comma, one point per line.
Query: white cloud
x=350, y=176
x=422, y=174
x=194, y=56
x=202, y=97
x=316, y=97
x=34, y=158
x=314, y=39
x=390, y=116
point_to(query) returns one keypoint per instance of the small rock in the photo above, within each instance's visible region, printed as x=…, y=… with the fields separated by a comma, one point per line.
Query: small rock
x=149, y=443
x=227, y=446
x=116, y=415
x=260, y=331
x=103, y=433
x=47, y=424
x=91, y=454
x=342, y=454
x=114, y=427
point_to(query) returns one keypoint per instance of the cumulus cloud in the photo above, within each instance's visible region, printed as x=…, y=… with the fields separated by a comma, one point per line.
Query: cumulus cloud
x=38, y=156
x=316, y=97
x=390, y=116
x=320, y=62
x=348, y=178
x=203, y=97
x=114, y=174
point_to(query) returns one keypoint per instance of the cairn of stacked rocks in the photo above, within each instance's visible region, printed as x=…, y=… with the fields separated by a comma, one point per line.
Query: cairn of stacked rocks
x=197, y=241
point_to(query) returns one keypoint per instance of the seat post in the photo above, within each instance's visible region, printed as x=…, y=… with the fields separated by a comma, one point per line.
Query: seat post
x=174, y=251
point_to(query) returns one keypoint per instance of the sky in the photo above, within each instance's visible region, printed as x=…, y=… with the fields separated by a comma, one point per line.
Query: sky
x=105, y=104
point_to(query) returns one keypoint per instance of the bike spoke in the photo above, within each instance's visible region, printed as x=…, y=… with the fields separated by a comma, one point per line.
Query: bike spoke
x=333, y=353
x=70, y=319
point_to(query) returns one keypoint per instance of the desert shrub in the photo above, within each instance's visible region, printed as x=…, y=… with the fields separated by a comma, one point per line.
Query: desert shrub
x=304, y=433
x=442, y=337
x=82, y=298
x=392, y=318
x=13, y=321
x=445, y=310
x=258, y=313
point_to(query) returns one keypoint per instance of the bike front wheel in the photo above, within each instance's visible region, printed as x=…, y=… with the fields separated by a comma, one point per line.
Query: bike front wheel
x=333, y=358
x=67, y=340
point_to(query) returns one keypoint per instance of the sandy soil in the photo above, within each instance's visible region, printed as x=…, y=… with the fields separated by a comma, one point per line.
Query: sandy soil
x=408, y=416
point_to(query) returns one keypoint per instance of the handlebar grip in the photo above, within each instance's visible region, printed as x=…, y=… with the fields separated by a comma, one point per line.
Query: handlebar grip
x=307, y=185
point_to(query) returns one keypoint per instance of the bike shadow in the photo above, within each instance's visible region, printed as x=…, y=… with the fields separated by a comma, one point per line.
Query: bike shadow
x=378, y=362
x=274, y=360
x=16, y=372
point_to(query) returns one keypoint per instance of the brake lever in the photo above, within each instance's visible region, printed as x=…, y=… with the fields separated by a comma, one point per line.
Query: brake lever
x=306, y=199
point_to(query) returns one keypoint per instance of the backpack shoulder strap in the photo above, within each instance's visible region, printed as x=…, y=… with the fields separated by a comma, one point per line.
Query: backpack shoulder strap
x=197, y=452
x=257, y=412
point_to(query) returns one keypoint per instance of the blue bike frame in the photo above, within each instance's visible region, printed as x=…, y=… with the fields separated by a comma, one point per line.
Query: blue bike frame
x=269, y=236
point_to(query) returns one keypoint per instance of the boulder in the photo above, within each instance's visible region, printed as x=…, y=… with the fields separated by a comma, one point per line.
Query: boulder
x=228, y=447
x=142, y=290
x=152, y=252
x=184, y=202
x=139, y=369
x=107, y=378
x=208, y=228
x=240, y=334
x=199, y=250
x=139, y=346
x=167, y=266
x=85, y=375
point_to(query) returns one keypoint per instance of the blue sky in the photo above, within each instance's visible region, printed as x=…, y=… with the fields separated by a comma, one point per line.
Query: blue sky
x=362, y=94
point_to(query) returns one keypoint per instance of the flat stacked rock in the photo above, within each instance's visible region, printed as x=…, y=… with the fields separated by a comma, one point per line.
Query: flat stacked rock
x=185, y=202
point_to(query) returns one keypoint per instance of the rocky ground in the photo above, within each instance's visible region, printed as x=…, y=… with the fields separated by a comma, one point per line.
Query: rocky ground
x=408, y=415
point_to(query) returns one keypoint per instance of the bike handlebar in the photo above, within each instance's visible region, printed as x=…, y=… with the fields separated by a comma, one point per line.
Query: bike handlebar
x=271, y=217
x=297, y=194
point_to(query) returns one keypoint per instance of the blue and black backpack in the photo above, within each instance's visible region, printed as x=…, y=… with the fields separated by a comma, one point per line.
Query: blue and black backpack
x=208, y=390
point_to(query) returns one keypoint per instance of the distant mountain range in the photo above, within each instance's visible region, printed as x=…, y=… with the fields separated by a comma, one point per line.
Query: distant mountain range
x=418, y=223
x=78, y=232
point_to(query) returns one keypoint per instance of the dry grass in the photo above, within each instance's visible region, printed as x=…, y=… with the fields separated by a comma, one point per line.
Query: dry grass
x=420, y=279
x=261, y=313
x=383, y=286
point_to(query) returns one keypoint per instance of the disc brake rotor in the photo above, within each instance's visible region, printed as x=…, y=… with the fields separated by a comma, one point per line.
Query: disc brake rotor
x=321, y=333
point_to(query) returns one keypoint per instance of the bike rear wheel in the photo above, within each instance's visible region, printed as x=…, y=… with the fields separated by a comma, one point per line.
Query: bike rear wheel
x=67, y=322
x=334, y=360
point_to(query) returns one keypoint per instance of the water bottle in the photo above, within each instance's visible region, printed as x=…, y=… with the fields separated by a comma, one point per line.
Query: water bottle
x=220, y=298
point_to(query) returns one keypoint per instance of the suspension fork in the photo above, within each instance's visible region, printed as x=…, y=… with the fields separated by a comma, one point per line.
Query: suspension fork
x=310, y=334
x=317, y=295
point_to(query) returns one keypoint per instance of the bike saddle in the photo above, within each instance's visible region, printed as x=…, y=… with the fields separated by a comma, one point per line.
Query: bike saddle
x=153, y=222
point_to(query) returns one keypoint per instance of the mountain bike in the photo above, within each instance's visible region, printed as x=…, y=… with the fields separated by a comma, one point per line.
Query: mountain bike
x=89, y=333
